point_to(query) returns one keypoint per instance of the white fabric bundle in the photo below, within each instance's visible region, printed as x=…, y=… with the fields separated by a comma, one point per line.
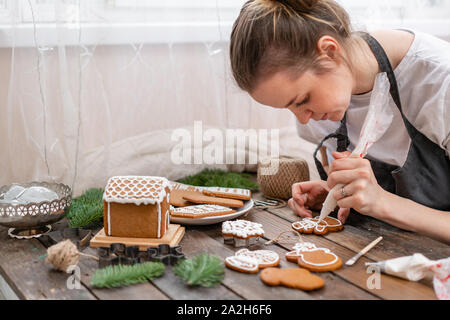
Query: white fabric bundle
x=417, y=267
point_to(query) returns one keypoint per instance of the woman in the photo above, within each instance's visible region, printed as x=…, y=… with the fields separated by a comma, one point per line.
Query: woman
x=301, y=55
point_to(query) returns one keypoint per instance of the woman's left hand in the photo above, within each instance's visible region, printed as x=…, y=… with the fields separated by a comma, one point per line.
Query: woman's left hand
x=361, y=190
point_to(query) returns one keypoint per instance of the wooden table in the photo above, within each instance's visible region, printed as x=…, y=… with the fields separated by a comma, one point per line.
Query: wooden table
x=24, y=274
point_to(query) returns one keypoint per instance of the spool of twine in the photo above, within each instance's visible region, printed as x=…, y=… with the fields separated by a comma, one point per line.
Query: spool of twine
x=277, y=175
x=65, y=254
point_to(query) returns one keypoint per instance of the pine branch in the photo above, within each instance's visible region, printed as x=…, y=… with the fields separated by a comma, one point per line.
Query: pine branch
x=204, y=270
x=87, y=209
x=124, y=275
x=220, y=178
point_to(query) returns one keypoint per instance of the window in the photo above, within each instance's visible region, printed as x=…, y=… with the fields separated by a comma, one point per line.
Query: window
x=157, y=21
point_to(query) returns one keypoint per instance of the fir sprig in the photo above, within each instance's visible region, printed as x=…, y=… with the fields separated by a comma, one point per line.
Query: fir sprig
x=86, y=209
x=124, y=275
x=220, y=178
x=204, y=270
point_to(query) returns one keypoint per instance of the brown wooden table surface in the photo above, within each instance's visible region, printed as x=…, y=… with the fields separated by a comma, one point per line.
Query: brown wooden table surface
x=24, y=274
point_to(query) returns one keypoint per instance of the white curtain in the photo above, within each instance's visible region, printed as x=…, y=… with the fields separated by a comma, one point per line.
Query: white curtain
x=95, y=88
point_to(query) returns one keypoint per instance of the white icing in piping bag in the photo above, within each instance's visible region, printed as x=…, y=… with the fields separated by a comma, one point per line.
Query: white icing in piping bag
x=378, y=119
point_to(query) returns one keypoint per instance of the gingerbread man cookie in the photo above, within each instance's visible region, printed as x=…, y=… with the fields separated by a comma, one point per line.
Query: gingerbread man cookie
x=297, y=278
x=312, y=225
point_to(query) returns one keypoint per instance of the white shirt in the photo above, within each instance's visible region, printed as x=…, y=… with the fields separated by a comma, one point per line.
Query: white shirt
x=423, y=79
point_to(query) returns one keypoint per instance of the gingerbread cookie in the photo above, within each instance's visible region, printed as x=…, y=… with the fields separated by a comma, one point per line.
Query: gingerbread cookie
x=311, y=225
x=319, y=260
x=201, y=198
x=200, y=211
x=297, y=278
x=242, y=264
x=248, y=261
x=241, y=232
x=231, y=193
x=260, y=258
x=293, y=255
x=176, y=197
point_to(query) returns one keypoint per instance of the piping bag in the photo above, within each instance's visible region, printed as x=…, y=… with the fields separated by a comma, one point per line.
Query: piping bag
x=417, y=267
x=378, y=119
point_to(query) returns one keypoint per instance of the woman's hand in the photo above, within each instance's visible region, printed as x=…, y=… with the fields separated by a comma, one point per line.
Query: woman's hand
x=308, y=195
x=361, y=190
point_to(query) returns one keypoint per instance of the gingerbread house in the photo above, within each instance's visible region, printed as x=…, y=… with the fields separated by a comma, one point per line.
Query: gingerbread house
x=136, y=207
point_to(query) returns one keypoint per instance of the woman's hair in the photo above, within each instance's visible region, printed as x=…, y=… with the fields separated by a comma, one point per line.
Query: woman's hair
x=271, y=36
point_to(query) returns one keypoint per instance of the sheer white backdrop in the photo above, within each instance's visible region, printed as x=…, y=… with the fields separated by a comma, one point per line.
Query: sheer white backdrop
x=90, y=89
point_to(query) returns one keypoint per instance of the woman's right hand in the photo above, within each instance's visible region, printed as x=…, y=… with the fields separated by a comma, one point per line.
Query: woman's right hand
x=308, y=195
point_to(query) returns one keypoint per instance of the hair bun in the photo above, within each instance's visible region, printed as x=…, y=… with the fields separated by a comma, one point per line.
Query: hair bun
x=304, y=6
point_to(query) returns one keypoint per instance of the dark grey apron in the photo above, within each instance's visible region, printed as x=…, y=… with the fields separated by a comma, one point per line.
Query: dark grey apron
x=425, y=175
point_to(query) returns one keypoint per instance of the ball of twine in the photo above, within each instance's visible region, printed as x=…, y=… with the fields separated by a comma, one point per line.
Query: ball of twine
x=277, y=175
x=65, y=254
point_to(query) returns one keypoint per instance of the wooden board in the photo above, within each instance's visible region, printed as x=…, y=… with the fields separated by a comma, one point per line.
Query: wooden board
x=172, y=237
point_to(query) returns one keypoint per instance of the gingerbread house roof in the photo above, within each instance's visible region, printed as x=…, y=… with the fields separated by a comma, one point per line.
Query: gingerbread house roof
x=136, y=189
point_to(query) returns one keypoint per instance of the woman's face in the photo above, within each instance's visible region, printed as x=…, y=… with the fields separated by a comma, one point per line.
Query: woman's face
x=310, y=96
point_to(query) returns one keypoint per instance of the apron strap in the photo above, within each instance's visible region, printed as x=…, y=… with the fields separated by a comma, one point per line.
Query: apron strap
x=342, y=144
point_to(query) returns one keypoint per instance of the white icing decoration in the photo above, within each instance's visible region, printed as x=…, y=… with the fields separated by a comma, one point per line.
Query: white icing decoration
x=304, y=246
x=320, y=264
x=141, y=189
x=167, y=219
x=200, y=209
x=109, y=219
x=312, y=223
x=242, y=228
x=301, y=247
x=159, y=219
x=238, y=191
x=263, y=257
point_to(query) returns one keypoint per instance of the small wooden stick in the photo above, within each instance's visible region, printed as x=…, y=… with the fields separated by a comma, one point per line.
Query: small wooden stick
x=363, y=251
